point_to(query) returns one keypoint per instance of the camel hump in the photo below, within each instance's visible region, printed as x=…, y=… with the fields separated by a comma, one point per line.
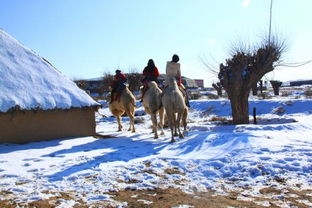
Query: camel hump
x=129, y=96
x=152, y=84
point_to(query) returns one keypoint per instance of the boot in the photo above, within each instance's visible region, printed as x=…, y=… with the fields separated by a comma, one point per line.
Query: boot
x=187, y=103
x=143, y=92
x=112, y=97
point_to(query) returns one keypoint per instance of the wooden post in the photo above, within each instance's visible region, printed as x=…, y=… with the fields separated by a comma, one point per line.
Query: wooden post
x=255, y=115
x=261, y=86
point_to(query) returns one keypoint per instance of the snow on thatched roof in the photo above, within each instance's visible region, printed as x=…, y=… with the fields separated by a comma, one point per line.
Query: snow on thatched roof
x=28, y=81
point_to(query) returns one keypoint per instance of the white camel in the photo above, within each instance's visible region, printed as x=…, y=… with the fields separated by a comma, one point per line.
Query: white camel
x=152, y=105
x=173, y=102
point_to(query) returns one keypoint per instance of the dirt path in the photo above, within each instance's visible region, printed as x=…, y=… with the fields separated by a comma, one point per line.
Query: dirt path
x=163, y=198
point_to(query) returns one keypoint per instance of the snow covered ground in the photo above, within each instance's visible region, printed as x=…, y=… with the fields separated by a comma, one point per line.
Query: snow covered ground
x=277, y=152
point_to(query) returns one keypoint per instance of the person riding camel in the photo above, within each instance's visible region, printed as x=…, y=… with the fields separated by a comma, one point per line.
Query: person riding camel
x=118, y=84
x=150, y=73
x=173, y=70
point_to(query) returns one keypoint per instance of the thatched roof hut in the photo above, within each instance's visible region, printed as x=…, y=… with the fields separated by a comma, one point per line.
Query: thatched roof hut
x=37, y=102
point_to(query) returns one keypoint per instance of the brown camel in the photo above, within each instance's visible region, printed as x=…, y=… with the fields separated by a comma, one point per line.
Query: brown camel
x=174, y=103
x=152, y=105
x=124, y=104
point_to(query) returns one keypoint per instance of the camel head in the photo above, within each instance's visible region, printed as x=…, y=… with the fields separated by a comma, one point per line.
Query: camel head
x=173, y=82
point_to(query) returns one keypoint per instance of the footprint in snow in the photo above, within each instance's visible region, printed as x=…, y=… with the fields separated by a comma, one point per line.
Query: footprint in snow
x=53, y=155
x=29, y=159
x=281, y=161
x=264, y=150
x=33, y=170
x=265, y=158
x=26, y=165
x=295, y=164
x=308, y=153
x=9, y=176
x=289, y=159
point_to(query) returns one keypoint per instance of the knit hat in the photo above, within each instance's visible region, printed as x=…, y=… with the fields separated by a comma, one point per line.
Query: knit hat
x=175, y=58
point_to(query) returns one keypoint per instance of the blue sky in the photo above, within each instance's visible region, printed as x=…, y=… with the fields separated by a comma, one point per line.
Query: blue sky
x=84, y=39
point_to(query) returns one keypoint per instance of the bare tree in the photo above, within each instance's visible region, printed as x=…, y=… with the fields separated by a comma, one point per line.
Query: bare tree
x=82, y=84
x=241, y=72
x=276, y=85
x=254, y=89
x=134, y=80
x=107, y=80
x=217, y=86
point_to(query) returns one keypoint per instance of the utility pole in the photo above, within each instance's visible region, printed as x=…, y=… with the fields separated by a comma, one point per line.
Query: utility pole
x=270, y=24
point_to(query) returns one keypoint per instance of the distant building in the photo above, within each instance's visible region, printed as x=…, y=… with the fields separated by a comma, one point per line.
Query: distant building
x=300, y=82
x=189, y=83
x=199, y=82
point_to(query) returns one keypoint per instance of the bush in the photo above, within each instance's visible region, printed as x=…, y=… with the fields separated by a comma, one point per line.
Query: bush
x=264, y=95
x=285, y=93
x=308, y=92
x=212, y=96
x=222, y=120
x=134, y=81
x=194, y=95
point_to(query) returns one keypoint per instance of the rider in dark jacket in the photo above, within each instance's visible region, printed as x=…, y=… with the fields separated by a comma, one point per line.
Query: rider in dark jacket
x=118, y=84
x=150, y=73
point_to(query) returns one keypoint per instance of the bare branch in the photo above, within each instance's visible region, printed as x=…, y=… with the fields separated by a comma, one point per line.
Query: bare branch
x=298, y=64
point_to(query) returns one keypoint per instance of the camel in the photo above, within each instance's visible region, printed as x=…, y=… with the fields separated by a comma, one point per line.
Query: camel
x=124, y=104
x=152, y=105
x=174, y=103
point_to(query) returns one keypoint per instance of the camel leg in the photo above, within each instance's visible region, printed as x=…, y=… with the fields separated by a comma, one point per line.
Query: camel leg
x=119, y=123
x=130, y=114
x=175, y=124
x=172, y=126
x=172, y=136
x=154, y=121
x=131, y=123
x=184, y=118
x=178, y=124
x=161, y=121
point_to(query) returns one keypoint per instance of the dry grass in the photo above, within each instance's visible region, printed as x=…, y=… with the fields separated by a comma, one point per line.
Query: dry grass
x=212, y=96
x=265, y=95
x=174, y=170
x=221, y=120
x=279, y=110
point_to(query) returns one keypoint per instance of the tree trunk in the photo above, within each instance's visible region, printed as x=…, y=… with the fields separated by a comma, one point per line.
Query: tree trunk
x=218, y=87
x=254, y=89
x=261, y=86
x=240, y=109
x=276, y=85
x=219, y=92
